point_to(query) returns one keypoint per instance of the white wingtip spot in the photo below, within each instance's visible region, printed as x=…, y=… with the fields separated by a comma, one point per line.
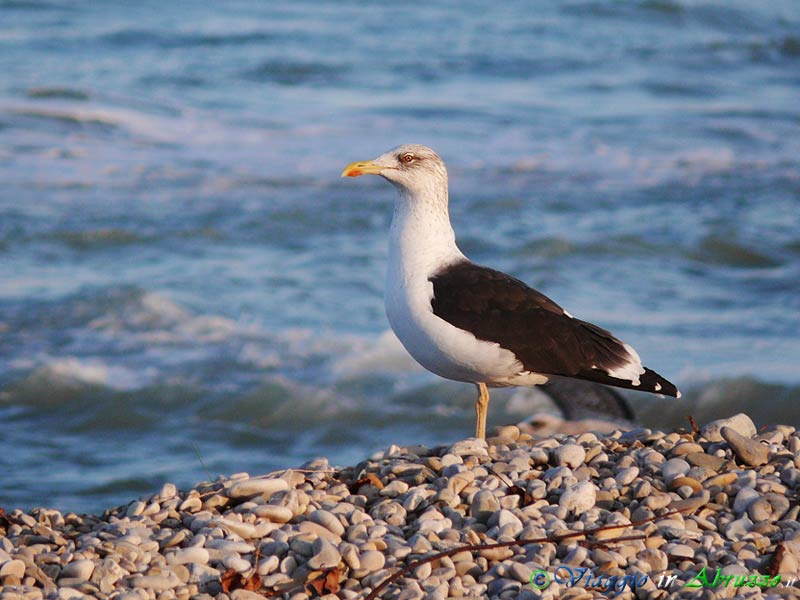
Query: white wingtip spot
x=631, y=369
x=658, y=387
x=679, y=394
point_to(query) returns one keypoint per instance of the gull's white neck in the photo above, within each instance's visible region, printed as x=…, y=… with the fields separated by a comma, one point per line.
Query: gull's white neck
x=421, y=238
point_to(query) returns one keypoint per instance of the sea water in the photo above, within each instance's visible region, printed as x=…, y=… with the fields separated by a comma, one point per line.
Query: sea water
x=188, y=288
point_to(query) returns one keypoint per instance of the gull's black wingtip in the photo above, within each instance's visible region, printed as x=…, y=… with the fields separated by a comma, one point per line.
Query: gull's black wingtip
x=650, y=381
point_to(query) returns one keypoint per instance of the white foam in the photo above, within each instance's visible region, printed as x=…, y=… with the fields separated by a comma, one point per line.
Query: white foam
x=384, y=354
x=622, y=164
x=152, y=317
x=92, y=372
x=70, y=371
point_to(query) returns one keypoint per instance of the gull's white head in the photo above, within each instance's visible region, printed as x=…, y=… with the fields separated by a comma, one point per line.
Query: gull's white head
x=414, y=169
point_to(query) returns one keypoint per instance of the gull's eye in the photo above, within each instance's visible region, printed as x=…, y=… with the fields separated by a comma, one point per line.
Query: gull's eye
x=407, y=158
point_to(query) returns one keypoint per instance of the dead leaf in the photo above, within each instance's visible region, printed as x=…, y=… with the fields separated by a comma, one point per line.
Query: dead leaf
x=368, y=479
x=228, y=580
x=231, y=580
x=323, y=582
x=775, y=562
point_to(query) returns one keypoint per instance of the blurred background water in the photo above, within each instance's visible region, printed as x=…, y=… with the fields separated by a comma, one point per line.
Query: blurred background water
x=188, y=288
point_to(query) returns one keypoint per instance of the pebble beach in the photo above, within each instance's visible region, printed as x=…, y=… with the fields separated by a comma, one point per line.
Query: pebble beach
x=513, y=516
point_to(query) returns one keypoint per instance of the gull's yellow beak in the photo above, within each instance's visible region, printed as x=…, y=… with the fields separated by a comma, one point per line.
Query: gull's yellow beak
x=357, y=169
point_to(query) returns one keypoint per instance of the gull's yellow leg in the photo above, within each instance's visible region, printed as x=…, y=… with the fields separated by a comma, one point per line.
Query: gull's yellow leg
x=481, y=408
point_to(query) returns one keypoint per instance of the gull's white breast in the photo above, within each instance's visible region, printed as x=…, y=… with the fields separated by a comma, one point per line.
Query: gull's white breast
x=437, y=345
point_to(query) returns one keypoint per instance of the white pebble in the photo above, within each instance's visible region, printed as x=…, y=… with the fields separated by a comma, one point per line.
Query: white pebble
x=236, y=562
x=135, y=508
x=268, y=565
x=256, y=487
x=157, y=583
x=627, y=475
x=275, y=513
x=579, y=497
x=470, y=447
x=188, y=555
x=328, y=521
x=674, y=467
x=483, y=505
x=744, y=498
x=68, y=593
x=231, y=546
x=372, y=560
x=326, y=555
x=168, y=490
x=79, y=569
x=16, y=568
x=569, y=455
x=740, y=423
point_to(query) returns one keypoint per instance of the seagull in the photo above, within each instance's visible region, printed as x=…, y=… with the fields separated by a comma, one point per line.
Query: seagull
x=471, y=323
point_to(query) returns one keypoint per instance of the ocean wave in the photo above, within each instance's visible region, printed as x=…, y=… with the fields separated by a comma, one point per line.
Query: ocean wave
x=63, y=380
x=618, y=165
x=81, y=114
x=382, y=355
x=154, y=318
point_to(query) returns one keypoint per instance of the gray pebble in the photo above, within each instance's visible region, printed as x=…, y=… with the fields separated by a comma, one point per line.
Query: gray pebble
x=15, y=568
x=188, y=555
x=579, y=497
x=202, y=573
x=569, y=455
x=328, y=521
x=79, y=569
x=744, y=498
x=168, y=490
x=507, y=521
x=257, y=487
x=237, y=563
x=241, y=594
x=520, y=572
x=274, y=513
x=740, y=423
x=191, y=504
x=483, y=505
x=736, y=530
x=626, y=476
x=325, y=556
x=469, y=447
x=759, y=510
x=157, y=583
x=749, y=451
x=135, y=508
x=68, y=593
x=679, y=551
x=707, y=461
x=371, y=560
x=674, y=467
x=231, y=546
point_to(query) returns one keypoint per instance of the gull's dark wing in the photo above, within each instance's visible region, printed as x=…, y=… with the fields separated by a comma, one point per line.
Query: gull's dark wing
x=499, y=308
